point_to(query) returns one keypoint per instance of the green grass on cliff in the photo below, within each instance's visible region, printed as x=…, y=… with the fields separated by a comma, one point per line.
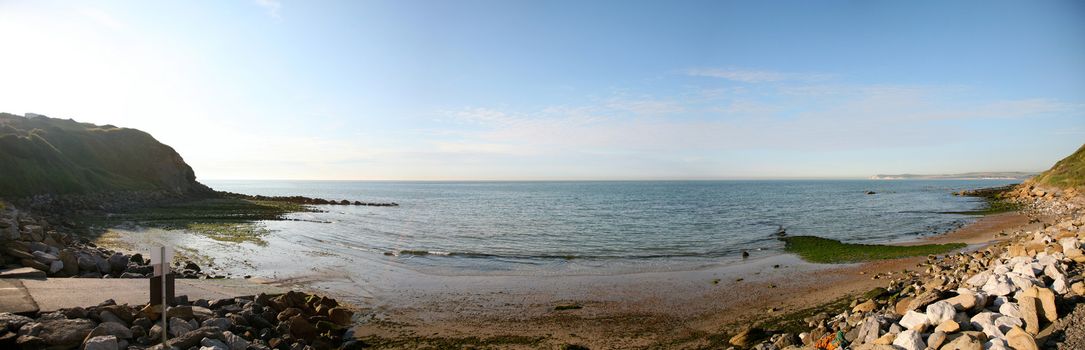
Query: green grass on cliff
x=55, y=156
x=1068, y=172
x=827, y=251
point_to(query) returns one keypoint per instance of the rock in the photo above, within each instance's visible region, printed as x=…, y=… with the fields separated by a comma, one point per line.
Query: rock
x=1046, y=302
x=111, y=328
x=869, y=331
x=964, y=301
x=234, y=342
x=71, y=262
x=939, y=312
x=34, y=264
x=104, y=342
x=194, y=337
x=902, y=305
x=914, y=320
x=924, y=299
x=23, y=272
x=56, y=266
x=151, y=312
x=13, y=322
x=86, y=263
x=909, y=340
x=215, y=344
x=865, y=307
x=178, y=327
x=985, y=321
x=45, y=258
x=182, y=312
x=118, y=262
x=948, y=326
x=1018, y=339
x=964, y=342
x=301, y=328
x=65, y=333
x=341, y=316
x=1010, y=309
x=936, y=339
x=1078, y=288
x=1027, y=308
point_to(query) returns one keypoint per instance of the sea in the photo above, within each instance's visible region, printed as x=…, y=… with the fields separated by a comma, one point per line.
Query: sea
x=579, y=227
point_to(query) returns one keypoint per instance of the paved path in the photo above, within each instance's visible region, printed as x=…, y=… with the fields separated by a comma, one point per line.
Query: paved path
x=26, y=295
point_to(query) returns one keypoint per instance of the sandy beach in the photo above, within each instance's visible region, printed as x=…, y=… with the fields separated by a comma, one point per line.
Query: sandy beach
x=675, y=309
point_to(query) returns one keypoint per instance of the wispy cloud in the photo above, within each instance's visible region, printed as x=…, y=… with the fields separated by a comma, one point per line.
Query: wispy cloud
x=756, y=76
x=103, y=18
x=271, y=6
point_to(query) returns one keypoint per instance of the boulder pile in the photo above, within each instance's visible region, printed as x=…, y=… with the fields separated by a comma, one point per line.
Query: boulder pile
x=287, y=321
x=31, y=247
x=1026, y=292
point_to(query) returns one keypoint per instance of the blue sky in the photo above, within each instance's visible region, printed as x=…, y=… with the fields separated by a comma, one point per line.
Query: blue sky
x=515, y=90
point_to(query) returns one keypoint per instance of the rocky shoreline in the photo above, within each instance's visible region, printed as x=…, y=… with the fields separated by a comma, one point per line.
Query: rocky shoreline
x=32, y=247
x=287, y=321
x=1025, y=292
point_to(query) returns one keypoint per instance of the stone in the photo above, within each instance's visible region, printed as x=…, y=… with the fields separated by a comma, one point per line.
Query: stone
x=23, y=272
x=1010, y=309
x=56, y=266
x=341, y=316
x=178, y=327
x=103, y=342
x=964, y=342
x=301, y=328
x=886, y=339
x=13, y=322
x=746, y=338
x=1046, y=299
x=34, y=264
x=86, y=263
x=936, y=339
x=909, y=340
x=182, y=312
x=964, y=301
x=902, y=305
x=71, y=262
x=65, y=333
x=234, y=342
x=1028, y=308
x=914, y=320
x=949, y=326
x=865, y=307
x=985, y=321
x=925, y=299
x=1018, y=339
x=111, y=328
x=194, y=337
x=869, y=331
x=940, y=311
x=45, y=258
x=213, y=344
x=118, y=262
x=1078, y=288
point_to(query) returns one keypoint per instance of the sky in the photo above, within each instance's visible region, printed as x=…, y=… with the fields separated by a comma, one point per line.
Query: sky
x=562, y=90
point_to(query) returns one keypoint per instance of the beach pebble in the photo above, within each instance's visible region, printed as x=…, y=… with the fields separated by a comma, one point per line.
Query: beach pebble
x=910, y=340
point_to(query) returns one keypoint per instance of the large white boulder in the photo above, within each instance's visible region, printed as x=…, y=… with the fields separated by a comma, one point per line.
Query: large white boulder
x=910, y=340
x=914, y=320
x=939, y=312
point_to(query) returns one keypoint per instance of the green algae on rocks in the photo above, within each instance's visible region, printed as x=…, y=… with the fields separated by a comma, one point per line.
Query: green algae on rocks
x=828, y=251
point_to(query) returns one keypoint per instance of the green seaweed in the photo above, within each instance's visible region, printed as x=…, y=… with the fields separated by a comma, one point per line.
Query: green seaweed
x=828, y=251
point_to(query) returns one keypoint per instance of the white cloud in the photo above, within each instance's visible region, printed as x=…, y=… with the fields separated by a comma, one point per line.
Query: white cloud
x=271, y=6
x=103, y=18
x=756, y=76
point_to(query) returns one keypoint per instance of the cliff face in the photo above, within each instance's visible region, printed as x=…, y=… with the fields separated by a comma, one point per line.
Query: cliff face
x=1067, y=173
x=41, y=155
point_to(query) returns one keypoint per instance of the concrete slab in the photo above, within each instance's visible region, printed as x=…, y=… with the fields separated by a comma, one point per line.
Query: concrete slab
x=22, y=272
x=14, y=298
x=59, y=293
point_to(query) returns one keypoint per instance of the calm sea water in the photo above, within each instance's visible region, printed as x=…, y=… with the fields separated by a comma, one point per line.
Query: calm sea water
x=527, y=227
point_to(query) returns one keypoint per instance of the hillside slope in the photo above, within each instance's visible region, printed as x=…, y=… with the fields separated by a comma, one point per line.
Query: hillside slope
x=41, y=155
x=1068, y=172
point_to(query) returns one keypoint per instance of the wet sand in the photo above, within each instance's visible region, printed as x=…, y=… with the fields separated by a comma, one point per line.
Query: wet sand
x=682, y=309
x=403, y=308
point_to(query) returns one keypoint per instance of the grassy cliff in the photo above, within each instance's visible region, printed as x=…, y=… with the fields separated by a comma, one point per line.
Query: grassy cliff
x=1068, y=172
x=42, y=155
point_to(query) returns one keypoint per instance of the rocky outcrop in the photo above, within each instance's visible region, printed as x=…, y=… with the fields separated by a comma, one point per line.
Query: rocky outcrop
x=286, y=321
x=1015, y=294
